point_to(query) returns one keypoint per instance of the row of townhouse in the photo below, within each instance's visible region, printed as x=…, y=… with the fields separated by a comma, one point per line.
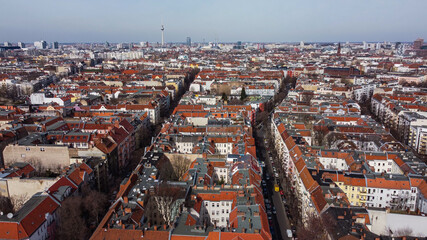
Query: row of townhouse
x=388, y=108
x=307, y=190
x=235, y=208
x=63, y=142
x=38, y=217
x=370, y=179
x=412, y=130
x=396, y=192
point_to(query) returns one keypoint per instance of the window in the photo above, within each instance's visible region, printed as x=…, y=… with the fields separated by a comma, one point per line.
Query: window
x=213, y=212
x=42, y=149
x=27, y=149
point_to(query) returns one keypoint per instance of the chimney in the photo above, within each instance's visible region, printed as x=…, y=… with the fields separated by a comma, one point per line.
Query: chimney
x=164, y=227
x=155, y=228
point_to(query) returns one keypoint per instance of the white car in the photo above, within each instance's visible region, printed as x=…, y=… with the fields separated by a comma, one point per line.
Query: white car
x=289, y=233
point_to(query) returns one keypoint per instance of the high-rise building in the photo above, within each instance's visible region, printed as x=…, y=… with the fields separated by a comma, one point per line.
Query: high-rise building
x=21, y=44
x=7, y=44
x=418, y=43
x=189, y=41
x=365, y=45
x=55, y=45
x=40, y=44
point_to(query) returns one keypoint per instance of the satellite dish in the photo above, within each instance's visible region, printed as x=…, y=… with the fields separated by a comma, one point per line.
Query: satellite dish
x=10, y=215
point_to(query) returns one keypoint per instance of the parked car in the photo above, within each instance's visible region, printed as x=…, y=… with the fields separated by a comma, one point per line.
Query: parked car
x=289, y=233
x=274, y=210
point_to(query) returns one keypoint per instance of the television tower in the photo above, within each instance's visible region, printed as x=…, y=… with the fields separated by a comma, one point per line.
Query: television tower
x=163, y=34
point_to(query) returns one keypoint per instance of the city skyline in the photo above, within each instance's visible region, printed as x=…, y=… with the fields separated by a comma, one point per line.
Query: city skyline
x=221, y=21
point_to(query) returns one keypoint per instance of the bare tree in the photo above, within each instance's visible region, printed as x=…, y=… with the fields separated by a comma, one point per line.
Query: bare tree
x=6, y=205
x=19, y=200
x=180, y=166
x=313, y=229
x=71, y=217
x=262, y=117
x=96, y=204
x=159, y=205
x=37, y=165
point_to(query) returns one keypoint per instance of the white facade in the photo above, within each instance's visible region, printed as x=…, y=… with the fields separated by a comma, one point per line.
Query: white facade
x=216, y=211
x=333, y=163
x=40, y=98
x=184, y=147
x=388, y=166
x=224, y=148
x=221, y=173
x=399, y=199
x=382, y=222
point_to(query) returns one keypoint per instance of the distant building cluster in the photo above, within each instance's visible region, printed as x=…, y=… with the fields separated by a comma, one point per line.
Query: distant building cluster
x=171, y=132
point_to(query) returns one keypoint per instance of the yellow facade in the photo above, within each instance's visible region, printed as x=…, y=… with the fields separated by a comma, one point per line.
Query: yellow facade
x=355, y=194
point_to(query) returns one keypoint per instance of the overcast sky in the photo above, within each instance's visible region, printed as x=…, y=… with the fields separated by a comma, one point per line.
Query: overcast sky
x=221, y=20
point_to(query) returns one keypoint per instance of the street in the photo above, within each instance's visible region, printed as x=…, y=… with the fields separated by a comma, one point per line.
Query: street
x=280, y=222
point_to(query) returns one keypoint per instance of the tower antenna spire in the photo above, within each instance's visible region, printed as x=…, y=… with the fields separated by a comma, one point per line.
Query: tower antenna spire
x=163, y=33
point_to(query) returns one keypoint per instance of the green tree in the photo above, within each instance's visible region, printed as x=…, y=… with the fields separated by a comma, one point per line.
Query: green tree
x=243, y=94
